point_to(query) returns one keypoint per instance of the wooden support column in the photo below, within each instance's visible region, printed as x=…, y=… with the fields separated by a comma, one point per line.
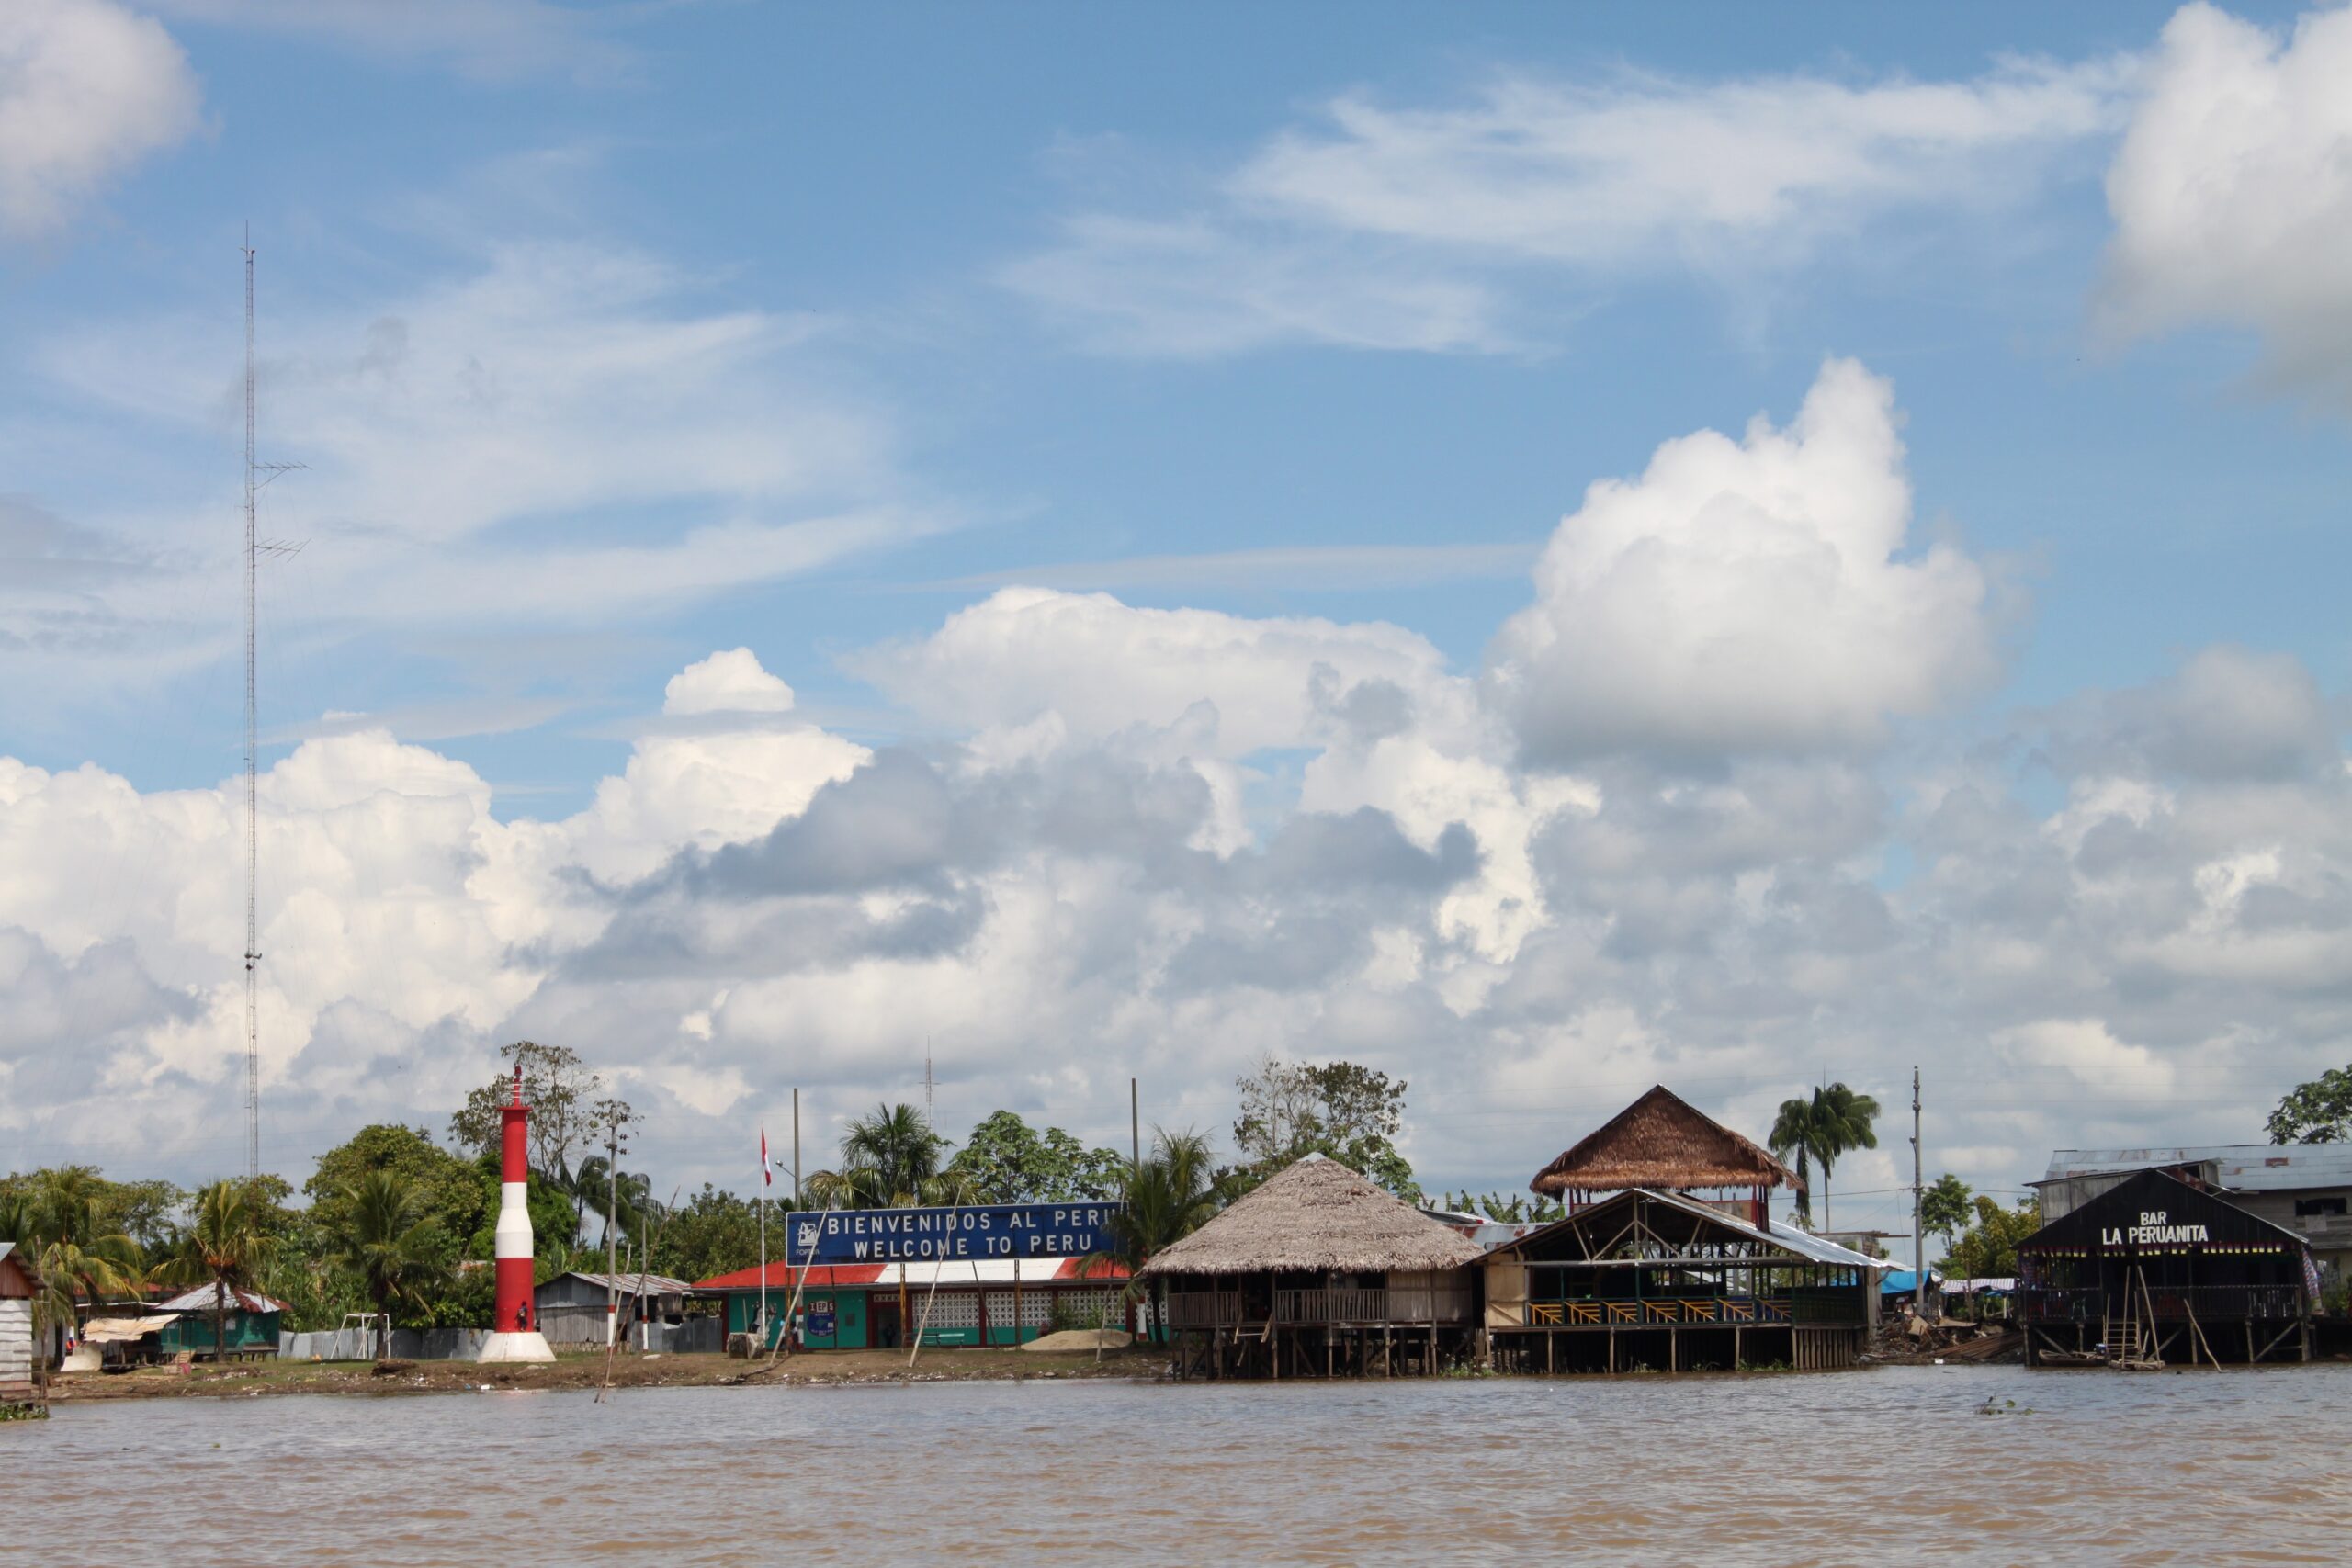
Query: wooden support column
x=1736, y=1357
x=1673, y=1349
x=1550, y=1340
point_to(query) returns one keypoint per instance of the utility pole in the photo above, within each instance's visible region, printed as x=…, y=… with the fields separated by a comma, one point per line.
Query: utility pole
x=1918, y=1221
x=1135, y=1123
x=796, y=1155
x=612, y=1211
x=929, y=1114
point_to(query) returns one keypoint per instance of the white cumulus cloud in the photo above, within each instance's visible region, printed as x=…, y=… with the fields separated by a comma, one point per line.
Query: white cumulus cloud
x=1745, y=596
x=87, y=89
x=2231, y=194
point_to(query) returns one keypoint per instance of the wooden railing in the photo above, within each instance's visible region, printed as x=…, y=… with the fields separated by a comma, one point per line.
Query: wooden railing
x=1202, y=1309
x=1326, y=1304
x=2179, y=1303
x=1661, y=1311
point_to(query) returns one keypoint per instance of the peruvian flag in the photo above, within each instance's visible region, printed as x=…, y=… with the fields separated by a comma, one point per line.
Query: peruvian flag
x=767, y=1174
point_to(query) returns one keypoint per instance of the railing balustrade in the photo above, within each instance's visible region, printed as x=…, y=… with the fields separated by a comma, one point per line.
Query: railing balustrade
x=1660, y=1311
x=2095, y=1304
x=1325, y=1303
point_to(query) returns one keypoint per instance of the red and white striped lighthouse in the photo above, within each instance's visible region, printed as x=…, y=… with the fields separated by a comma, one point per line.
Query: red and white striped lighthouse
x=515, y=1323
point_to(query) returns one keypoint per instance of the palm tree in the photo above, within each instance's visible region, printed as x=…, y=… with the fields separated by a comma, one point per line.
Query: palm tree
x=1793, y=1133
x=1163, y=1200
x=61, y=1234
x=890, y=1160
x=1834, y=1122
x=226, y=1245
x=390, y=1246
x=623, y=1201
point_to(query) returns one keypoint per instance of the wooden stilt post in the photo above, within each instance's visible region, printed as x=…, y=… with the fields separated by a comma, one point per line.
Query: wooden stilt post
x=1736, y=1357
x=1550, y=1340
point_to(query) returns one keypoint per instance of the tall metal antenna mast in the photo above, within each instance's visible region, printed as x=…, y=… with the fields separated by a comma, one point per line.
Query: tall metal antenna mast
x=253, y=934
x=257, y=474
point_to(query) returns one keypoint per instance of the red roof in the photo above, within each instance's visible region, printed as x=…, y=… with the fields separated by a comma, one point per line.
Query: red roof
x=983, y=1271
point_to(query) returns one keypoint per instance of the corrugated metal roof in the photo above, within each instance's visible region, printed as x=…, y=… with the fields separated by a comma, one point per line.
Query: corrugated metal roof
x=2242, y=1167
x=628, y=1284
x=1803, y=1242
x=200, y=1300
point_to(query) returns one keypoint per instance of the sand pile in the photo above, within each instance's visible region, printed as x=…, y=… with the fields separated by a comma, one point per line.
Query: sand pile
x=1079, y=1339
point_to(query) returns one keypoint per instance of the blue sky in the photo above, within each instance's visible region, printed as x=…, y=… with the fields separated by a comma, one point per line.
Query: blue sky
x=617, y=337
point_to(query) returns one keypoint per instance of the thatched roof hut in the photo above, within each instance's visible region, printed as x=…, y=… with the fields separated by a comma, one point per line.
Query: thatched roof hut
x=1317, y=1217
x=1661, y=1141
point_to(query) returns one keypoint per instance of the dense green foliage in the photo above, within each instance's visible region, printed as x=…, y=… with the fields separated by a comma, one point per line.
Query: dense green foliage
x=1944, y=1208
x=1006, y=1161
x=1988, y=1249
x=714, y=1233
x=1171, y=1194
x=1346, y=1112
x=2319, y=1111
x=890, y=1159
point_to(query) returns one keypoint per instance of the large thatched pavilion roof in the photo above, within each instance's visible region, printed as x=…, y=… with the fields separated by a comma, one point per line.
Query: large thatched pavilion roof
x=1661, y=1141
x=1316, y=1217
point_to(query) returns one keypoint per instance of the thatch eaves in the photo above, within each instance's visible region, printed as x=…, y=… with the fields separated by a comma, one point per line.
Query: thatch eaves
x=1316, y=1217
x=1662, y=1140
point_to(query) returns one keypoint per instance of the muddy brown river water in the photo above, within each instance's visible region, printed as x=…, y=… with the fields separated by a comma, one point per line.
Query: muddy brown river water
x=1883, y=1466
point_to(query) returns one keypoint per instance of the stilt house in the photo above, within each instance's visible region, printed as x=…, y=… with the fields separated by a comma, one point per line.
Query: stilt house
x=1659, y=1281
x=1318, y=1274
x=2155, y=1271
x=1669, y=1260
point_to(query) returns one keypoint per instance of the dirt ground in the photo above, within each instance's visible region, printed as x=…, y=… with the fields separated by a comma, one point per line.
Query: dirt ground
x=254, y=1379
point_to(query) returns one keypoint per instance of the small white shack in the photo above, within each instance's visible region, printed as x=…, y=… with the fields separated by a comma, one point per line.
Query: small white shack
x=16, y=1326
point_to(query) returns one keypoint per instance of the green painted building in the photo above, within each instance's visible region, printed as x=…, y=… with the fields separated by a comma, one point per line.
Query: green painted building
x=248, y=1328
x=858, y=1306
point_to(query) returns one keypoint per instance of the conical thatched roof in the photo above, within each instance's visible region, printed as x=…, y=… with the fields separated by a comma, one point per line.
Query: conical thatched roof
x=1661, y=1141
x=1316, y=1217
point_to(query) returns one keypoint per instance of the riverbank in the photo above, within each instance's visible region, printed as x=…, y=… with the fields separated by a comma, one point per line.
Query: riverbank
x=812, y=1367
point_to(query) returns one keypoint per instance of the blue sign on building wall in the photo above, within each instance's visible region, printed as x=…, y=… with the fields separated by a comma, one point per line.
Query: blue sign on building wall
x=925, y=1236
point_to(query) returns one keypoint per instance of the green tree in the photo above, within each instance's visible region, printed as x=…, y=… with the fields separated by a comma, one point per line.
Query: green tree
x=1988, y=1249
x=394, y=1250
x=2319, y=1111
x=448, y=1190
x=890, y=1159
x=557, y=1086
x=1346, y=1112
x=1008, y=1161
x=227, y=1244
x=622, y=1201
x=1820, y=1130
x=1944, y=1208
x=1167, y=1198
x=714, y=1233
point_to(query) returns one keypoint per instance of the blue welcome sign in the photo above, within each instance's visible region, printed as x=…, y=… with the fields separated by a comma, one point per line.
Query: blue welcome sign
x=930, y=1236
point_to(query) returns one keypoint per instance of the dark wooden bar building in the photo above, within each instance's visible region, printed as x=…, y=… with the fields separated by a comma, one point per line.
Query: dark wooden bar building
x=2156, y=1272
x=1659, y=1281
x=1318, y=1274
